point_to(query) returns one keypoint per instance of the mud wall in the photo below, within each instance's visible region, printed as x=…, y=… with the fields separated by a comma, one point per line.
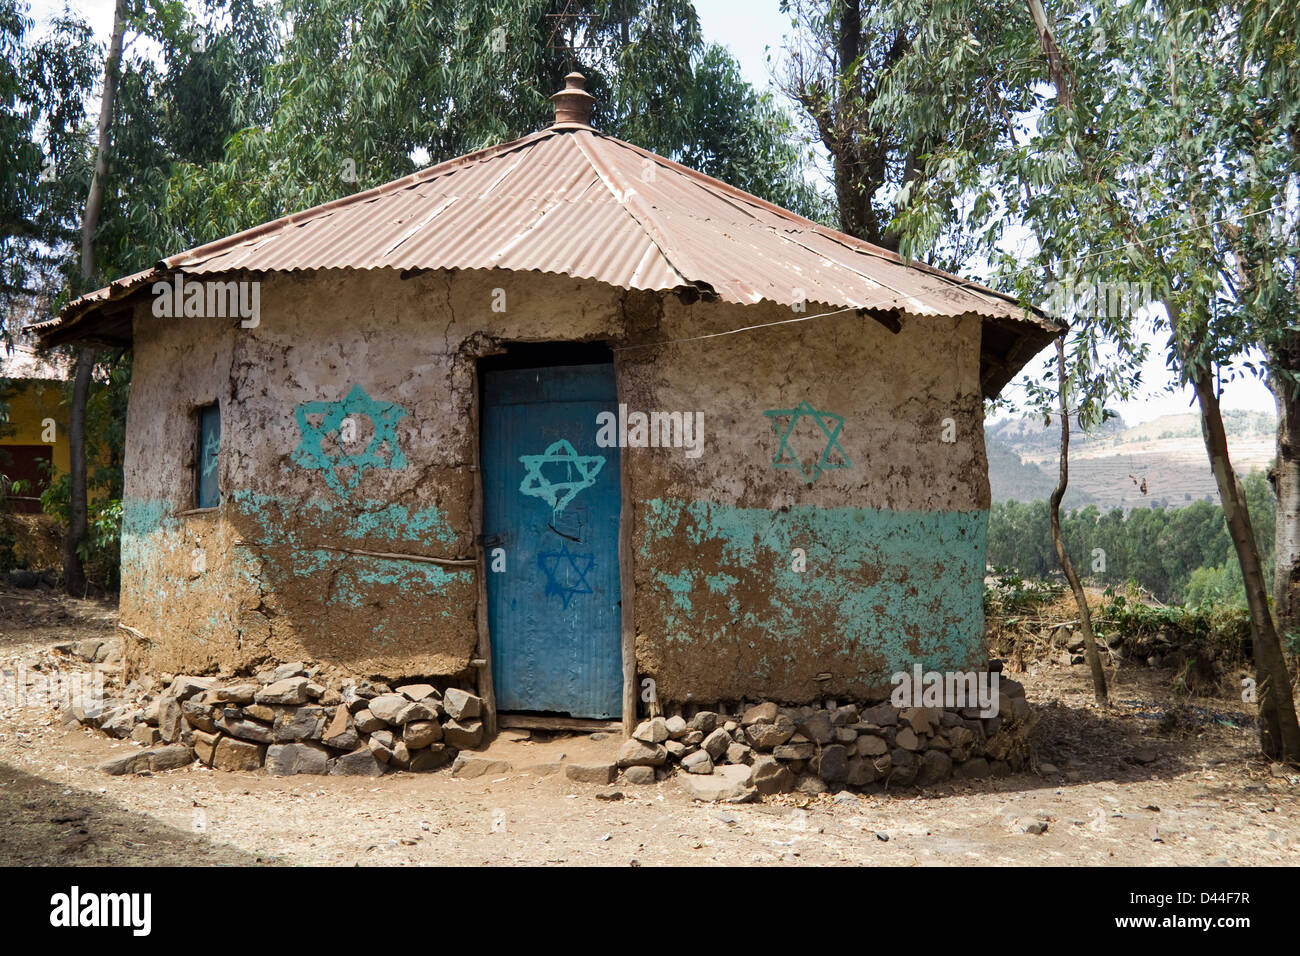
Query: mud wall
x=824, y=439
x=282, y=578
x=833, y=531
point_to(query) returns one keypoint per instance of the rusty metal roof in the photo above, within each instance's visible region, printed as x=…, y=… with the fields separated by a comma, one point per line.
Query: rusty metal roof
x=572, y=201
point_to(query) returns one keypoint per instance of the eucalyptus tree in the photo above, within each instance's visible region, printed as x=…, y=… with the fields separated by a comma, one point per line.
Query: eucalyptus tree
x=366, y=92
x=1161, y=155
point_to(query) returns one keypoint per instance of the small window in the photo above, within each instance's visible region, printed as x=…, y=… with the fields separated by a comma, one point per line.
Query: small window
x=208, y=495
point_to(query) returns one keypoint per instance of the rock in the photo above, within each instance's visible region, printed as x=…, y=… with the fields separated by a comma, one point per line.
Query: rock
x=146, y=735
x=766, y=736
x=283, y=760
x=976, y=768
x=763, y=713
x=845, y=716
x=286, y=671
x=417, y=691
x=861, y=771
x=811, y=785
x=204, y=745
x=430, y=758
x=771, y=776
x=388, y=707
x=731, y=784
x=935, y=766
x=198, y=716
x=418, y=710
x=676, y=727
x=923, y=720
x=677, y=750
x=463, y=736
x=640, y=775
x=637, y=753
x=183, y=687
x=381, y=752
x=601, y=773
x=1144, y=756
x=904, y=767
x=832, y=764
x=693, y=738
x=907, y=739
x=260, y=712
x=366, y=722
x=302, y=723
x=401, y=756
x=740, y=753
x=706, y=721
x=288, y=692
x=421, y=733
x=170, y=717
x=359, y=763
x=245, y=729
x=846, y=736
x=476, y=765
x=460, y=705
x=716, y=743
x=339, y=733
x=652, y=731
x=118, y=722
x=884, y=715
x=232, y=754
x=869, y=746
x=698, y=762
x=234, y=694
x=793, y=751
x=817, y=727
x=129, y=763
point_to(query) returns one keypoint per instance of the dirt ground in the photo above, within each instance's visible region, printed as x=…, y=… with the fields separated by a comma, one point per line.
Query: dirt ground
x=1147, y=782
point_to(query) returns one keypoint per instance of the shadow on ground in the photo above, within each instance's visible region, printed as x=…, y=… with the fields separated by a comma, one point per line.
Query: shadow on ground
x=48, y=825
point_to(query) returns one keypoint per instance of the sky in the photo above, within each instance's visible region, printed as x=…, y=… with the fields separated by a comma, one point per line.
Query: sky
x=753, y=29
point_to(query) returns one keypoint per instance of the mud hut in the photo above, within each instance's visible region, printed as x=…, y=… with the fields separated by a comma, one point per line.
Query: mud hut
x=564, y=419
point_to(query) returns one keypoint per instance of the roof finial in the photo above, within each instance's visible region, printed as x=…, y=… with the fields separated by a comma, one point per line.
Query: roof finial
x=573, y=103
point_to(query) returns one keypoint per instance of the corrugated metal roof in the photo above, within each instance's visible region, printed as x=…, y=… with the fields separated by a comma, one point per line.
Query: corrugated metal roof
x=572, y=201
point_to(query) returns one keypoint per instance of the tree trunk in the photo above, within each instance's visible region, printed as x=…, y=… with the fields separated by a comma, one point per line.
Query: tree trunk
x=1285, y=478
x=1279, y=733
x=74, y=576
x=1080, y=598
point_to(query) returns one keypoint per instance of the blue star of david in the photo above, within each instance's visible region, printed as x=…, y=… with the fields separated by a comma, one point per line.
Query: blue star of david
x=828, y=422
x=565, y=563
x=582, y=472
x=309, y=453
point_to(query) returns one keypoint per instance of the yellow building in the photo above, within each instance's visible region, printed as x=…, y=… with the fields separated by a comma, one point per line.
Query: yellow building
x=33, y=423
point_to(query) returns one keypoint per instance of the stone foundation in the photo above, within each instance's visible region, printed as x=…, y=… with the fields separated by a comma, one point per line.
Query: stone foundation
x=813, y=750
x=286, y=722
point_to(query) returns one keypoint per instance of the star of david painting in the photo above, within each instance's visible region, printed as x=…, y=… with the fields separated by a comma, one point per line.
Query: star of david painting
x=383, y=450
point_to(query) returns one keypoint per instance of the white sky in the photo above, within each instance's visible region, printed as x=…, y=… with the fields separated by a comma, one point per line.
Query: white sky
x=753, y=29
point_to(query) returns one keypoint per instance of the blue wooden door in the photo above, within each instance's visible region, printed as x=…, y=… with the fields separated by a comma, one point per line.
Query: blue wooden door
x=551, y=505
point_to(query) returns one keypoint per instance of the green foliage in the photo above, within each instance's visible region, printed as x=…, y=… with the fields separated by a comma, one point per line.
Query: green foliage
x=1177, y=554
x=1207, y=623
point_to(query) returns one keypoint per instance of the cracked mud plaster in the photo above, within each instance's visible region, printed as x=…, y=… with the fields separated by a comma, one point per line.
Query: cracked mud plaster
x=895, y=542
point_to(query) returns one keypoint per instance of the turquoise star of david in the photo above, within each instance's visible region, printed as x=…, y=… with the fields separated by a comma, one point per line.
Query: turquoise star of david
x=582, y=472
x=309, y=453
x=210, y=449
x=565, y=562
x=828, y=422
